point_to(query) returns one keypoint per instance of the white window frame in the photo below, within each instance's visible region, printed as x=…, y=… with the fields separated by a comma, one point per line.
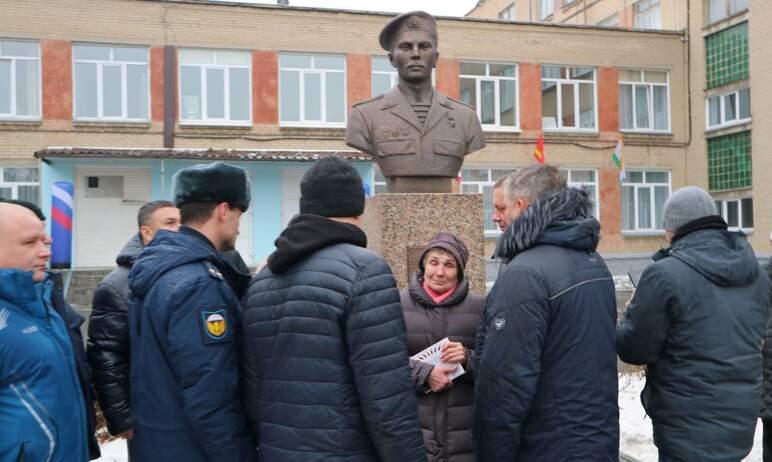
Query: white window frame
x=205, y=120
x=647, y=8
x=651, y=85
x=100, y=64
x=301, y=96
x=508, y=13
x=724, y=212
x=14, y=186
x=637, y=230
x=546, y=9
x=560, y=82
x=497, y=127
x=13, y=114
x=571, y=183
x=393, y=74
x=479, y=185
x=378, y=182
x=723, y=123
x=610, y=21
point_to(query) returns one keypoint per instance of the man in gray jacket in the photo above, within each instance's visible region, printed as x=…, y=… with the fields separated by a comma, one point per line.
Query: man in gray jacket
x=697, y=321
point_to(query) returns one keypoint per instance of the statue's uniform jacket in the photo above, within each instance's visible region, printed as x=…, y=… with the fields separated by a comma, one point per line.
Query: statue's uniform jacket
x=387, y=128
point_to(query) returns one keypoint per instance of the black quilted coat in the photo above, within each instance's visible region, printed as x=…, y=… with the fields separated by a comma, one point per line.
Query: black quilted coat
x=325, y=365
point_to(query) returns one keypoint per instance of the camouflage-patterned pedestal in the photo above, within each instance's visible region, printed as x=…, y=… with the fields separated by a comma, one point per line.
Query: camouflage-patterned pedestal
x=398, y=226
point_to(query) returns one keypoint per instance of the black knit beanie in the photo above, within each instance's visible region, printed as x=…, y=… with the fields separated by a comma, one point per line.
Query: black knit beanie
x=332, y=188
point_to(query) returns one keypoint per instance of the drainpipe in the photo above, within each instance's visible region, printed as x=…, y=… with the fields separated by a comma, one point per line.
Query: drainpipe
x=163, y=179
x=170, y=94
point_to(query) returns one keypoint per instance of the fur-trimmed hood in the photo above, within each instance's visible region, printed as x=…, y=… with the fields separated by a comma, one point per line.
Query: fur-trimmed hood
x=562, y=219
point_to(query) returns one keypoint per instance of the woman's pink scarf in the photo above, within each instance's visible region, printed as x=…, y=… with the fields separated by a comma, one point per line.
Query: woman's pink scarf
x=439, y=298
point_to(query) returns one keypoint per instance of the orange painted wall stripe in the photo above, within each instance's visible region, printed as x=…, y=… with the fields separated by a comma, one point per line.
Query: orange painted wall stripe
x=56, y=64
x=265, y=88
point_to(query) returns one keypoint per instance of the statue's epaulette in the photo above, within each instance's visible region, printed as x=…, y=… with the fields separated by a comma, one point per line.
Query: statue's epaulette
x=461, y=103
x=376, y=98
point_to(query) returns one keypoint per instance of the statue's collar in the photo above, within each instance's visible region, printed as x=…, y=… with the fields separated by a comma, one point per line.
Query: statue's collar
x=395, y=97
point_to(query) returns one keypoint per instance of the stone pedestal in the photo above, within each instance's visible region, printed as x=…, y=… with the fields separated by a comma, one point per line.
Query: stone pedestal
x=398, y=226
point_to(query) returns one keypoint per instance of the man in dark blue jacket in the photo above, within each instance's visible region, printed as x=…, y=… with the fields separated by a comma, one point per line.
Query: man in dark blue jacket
x=546, y=388
x=325, y=360
x=698, y=321
x=184, y=323
x=46, y=404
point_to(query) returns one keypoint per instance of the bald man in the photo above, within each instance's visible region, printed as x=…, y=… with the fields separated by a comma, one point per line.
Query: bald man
x=46, y=409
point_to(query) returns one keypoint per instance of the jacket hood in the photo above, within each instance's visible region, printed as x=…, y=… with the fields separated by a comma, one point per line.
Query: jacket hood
x=306, y=234
x=418, y=293
x=723, y=257
x=130, y=252
x=169, y=250
x=562, y=219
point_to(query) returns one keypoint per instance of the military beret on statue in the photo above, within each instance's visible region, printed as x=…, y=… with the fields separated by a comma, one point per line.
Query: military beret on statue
x=413, y=20
x=215, y=182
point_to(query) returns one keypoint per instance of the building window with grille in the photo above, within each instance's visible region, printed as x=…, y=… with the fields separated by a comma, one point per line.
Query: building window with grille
x=19, y=80
x=728, y=109
x=111, y=83
x=568, y=98
x=729, y=162
x=215, y=87
x=312, y=90
x=647, y=14
x=586, y=179
x=492, y=90
x=643, y=201
x=726, y=56
x=738, y=213
x=21, y=183
x=644, y=101
x=508, y=13
x=546, y=8
x=481, y=180
x=722, y=9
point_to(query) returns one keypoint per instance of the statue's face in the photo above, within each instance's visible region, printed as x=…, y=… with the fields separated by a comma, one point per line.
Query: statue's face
x=414, y=54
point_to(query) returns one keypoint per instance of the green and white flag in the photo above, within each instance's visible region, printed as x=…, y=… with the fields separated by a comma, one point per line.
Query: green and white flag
x=619, y=160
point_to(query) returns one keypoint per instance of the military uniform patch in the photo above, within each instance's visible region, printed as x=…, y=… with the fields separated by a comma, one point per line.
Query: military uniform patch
x=215, y=326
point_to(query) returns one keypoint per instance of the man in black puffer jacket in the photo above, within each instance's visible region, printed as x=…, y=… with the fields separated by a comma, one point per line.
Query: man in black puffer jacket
x=108, y=329
x=697, y=321
x=324, y=354
x=766, y=396
x=546, y=376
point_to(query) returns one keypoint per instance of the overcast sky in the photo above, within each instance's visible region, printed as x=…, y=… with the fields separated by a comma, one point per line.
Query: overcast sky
x=435, y=7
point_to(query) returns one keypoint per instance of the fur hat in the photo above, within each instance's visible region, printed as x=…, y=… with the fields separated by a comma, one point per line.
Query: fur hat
x=215, y=182
x=332, y=188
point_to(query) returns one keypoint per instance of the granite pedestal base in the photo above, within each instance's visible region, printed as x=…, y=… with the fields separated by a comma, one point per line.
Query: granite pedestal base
x=398, y=226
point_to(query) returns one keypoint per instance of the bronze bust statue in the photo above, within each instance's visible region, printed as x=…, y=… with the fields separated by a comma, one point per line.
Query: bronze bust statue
x=416, y=135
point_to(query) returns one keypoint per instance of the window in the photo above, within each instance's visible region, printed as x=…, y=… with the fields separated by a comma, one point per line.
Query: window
x=568, y=98
x=648, y=14
x=19, y=80
x=547, y=8
x=583, y=179
x=492, y=90
x=21, y=183
x=727, y=109
x=738, y=213
x=215, y=87
x=111, y=82
x=379, y=181
x=384, y=77
x=481, y=180
x=726, y=56
x=312, y=90
x=643, y=200
x=611, y=21
x=729, y=162
x=508, y=13
x=722, y=9
x=644, y=101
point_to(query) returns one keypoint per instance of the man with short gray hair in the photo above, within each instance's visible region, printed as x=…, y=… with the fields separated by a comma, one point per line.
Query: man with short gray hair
x=697, y=321
x=546, y=383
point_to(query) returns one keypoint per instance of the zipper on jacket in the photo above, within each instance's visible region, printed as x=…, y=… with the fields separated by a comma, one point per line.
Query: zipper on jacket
x=38, y=418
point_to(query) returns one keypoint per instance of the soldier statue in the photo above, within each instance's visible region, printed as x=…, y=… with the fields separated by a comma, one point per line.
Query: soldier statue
x=416, y=135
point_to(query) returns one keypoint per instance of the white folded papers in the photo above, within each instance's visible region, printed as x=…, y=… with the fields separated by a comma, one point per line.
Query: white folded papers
x=432, y=355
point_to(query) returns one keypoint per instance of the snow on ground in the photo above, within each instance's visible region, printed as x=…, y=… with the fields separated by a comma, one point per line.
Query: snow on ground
x=635, y=428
